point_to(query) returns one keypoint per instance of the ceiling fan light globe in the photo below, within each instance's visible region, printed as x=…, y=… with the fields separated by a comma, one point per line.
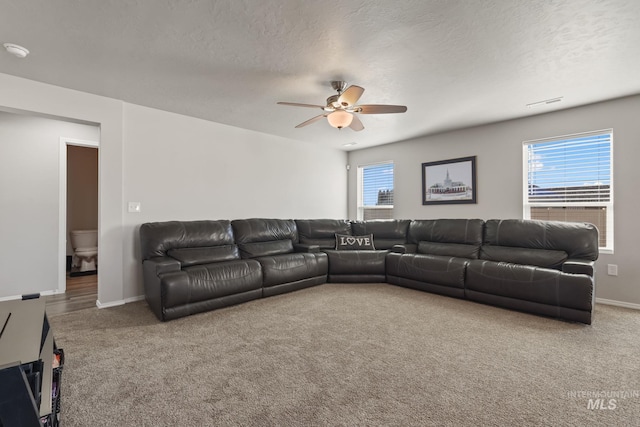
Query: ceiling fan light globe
x=340, y=119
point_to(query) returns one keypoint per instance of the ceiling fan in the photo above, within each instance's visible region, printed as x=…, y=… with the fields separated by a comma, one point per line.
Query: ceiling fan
x=341, y=109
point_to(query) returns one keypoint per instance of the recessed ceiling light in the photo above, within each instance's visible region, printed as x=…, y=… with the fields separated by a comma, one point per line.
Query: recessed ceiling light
x=16, y=50
x=545, y=102
x=349, y=144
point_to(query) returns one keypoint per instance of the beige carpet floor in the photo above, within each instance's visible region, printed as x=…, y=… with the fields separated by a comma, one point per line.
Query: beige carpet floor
x=349, y=355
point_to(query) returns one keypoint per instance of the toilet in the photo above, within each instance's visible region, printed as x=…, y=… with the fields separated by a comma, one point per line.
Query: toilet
x=85, y=250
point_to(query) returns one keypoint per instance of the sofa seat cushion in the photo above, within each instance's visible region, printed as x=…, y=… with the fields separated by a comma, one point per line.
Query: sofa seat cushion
x=209, y=281
x=292, y=267
x=206, y=255
x=459, y=250
x=536, y=257
x=435, y=269
x=357, y=262
x=537, y=284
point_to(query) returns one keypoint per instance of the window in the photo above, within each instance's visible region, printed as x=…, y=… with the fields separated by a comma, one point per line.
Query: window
x=375, y=191
x=570, y=179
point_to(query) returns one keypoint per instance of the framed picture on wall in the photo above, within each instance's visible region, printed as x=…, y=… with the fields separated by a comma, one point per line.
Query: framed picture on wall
x=449, y=181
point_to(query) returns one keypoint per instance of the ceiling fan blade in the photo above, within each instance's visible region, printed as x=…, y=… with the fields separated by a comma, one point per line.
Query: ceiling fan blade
x=381, y=109
x=350, y=96
x=356, y=124
x=312, y=120
x=297, y=104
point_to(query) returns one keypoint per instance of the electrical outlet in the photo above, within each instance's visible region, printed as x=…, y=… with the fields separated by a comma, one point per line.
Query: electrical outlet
x=134, y=207
x=612, y=269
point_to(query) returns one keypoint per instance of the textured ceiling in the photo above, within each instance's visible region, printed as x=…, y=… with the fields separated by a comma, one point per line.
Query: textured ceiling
x=453, y=63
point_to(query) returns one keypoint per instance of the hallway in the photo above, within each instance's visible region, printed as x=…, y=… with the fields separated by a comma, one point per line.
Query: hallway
x=81, y=293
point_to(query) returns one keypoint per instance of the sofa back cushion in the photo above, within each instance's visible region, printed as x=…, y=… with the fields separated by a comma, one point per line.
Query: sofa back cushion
x=525, y=256
x=459, y=250
x=321, y=232
x=578, y=240
x=196, y=256
x=448, y=237
x=257, y=249
x=157, y=238
x=463, y=231
x=386, y=232
x=262, y=237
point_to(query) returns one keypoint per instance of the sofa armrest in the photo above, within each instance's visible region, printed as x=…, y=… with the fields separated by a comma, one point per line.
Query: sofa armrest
x=407, y=248
x=152, y=268
x=579, y=266
x=301, y=247
x=162, y=264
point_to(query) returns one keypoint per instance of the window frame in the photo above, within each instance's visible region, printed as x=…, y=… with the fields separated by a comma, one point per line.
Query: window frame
x=609, y=205
x=360, y=206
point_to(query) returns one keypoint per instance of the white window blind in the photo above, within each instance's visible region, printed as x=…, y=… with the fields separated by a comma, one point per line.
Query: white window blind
x=570, y=179
x=375, y=191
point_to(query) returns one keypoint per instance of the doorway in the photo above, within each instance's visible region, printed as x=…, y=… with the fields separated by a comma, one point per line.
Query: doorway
x=79, y=197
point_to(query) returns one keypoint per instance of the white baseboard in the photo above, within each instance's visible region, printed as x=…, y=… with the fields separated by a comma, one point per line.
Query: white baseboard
x=134, y=299
x=42, y=294
x=618, y=303
x=109, y=304
x=119, y=302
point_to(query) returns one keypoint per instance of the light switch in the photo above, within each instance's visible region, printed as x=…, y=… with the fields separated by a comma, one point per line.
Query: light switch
x=134, y=207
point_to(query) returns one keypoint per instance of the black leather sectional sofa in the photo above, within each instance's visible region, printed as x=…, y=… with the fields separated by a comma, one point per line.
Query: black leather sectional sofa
x=539, y=267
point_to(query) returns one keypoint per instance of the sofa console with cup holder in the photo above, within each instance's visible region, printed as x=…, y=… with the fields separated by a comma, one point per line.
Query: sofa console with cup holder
x=539, y=267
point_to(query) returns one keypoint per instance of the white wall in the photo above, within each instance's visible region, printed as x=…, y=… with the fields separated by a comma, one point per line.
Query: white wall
x=498, y=148
x=29, y=199
x=244, y=169
x=182, y=168
x=173, y=164
x=33, y=97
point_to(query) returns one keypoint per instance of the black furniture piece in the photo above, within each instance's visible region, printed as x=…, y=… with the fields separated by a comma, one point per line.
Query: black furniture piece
x=367, y=265
x=30, y=365
x=535, y=266
x=195, y=266
x=354, y=265
x=540, y=267
x=285, y=265
x=436, y=256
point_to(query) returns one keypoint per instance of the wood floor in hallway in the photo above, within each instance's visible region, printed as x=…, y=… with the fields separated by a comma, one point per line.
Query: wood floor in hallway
x=81, y=293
